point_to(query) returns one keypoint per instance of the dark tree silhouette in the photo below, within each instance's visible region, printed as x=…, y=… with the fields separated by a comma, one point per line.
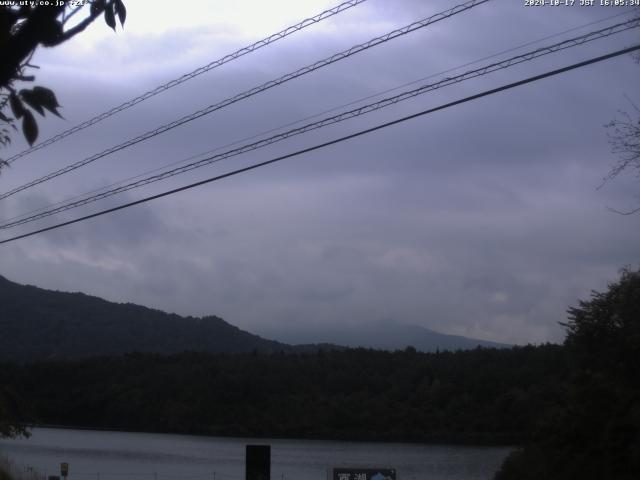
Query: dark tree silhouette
x=24, y=28
x=594, y=433
x=11, y=414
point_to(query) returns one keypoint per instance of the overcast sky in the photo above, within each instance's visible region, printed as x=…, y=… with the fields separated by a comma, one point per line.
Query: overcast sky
x=483, y=219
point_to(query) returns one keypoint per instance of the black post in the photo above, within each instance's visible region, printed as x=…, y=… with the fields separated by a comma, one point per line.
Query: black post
x=258, y=462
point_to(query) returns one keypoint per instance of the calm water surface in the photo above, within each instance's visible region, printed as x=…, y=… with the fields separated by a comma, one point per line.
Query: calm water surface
x=97, y=455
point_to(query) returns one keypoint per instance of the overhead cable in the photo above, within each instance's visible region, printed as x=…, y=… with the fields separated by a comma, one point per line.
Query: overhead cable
x=525, y=57
x=331, y=142
x=315, y=115
x=261, y=88
x=188, y=76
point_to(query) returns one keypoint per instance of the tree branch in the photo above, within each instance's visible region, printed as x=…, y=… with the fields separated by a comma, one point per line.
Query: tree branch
x=20, y=45
x=623, y=212
x=79, y=27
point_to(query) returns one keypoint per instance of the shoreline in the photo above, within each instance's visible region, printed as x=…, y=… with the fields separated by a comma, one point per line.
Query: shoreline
x=460, y=441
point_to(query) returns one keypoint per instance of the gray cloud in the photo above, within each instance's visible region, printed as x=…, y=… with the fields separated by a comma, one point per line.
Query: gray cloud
x=481, y=220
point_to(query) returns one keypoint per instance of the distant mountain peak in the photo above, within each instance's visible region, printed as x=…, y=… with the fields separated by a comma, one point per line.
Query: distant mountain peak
x=385, y=334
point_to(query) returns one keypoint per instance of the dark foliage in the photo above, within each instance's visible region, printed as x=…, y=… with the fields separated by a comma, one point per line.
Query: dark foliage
x=475, y=396
x=24, y=27
x=594, y=432
x=12, y=414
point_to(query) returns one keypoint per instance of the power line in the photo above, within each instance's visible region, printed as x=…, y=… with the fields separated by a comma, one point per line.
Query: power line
x=525, y=57
x=489, y=57
x=265, y=86
x=188, y=76
x=332, y=142
x=315, y=115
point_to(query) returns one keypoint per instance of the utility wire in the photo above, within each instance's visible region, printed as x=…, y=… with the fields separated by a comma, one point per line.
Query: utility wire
x=570, y=43
x=265, y=86
x=333, y=142
x=315, y=115
x=188, y=76
x=489, y=57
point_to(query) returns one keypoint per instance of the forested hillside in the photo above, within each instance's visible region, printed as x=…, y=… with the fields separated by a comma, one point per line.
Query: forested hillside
x=476, y=396
x=38, y=324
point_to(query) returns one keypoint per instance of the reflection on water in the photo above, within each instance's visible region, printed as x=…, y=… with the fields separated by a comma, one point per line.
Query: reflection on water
x=95, y=455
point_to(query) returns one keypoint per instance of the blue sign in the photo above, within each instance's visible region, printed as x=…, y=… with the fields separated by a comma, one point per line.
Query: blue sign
x=364, y=474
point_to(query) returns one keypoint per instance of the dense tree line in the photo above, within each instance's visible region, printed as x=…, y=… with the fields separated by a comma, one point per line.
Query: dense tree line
x=476, y=396
x=593, y=432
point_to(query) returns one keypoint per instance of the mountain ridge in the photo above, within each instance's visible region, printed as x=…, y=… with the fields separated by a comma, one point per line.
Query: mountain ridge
x=40, y=324
x=382, y=335
x=37, y=324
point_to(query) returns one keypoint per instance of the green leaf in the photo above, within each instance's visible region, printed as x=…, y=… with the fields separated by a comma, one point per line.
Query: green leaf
x=16, y=106
x=50, y=34
x=47, y=99
x=121, y=11
x=32, y=100
x=96, y=7
x=29, y=127
x=109, y=17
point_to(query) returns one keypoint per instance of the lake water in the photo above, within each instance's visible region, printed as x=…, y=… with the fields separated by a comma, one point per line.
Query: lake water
x=98, y=455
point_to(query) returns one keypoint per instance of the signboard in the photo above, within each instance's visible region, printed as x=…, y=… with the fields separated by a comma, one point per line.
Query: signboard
x=64, y=469
x=364, y=474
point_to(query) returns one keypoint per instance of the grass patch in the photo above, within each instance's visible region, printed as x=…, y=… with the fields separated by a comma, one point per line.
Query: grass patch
x=11, y=471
